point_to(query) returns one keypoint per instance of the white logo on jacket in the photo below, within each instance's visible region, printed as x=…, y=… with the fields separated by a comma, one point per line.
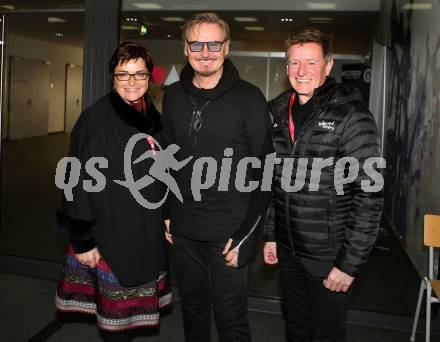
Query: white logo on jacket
x=330, y=125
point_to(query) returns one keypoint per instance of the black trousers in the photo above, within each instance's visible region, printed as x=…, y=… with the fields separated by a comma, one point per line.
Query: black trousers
x=312, y=312
x=203, y=279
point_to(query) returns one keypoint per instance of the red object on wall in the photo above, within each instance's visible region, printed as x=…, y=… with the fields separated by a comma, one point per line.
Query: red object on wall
x=158, y=74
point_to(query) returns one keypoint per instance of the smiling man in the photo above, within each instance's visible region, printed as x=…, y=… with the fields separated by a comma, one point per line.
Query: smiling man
x=212, y=114
x=320, y=239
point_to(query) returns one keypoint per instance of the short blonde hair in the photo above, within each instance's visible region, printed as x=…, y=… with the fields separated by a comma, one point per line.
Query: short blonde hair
x=206, y=18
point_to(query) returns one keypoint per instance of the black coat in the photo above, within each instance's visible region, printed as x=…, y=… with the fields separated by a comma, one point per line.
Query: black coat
x=322, y=225
x=128, y=236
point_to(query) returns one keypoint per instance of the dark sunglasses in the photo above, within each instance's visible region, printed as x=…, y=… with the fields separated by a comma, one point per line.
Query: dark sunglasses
x=214, y=46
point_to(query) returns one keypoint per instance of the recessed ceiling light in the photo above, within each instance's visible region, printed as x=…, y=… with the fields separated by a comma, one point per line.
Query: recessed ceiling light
x=59, y=34
x=129, y=28
x=172, y=19
x=55, y=20
x=419, y=6
x=131, y=20
x=320, y=19
x=254, y=28
x=246, y=19
x=147, y=5
x=8, y=7
x=321, y=6
x=169, y=36
x=287, y=20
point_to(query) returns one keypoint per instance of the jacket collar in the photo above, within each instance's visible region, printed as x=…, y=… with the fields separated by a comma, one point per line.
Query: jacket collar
x=322, y=94
x=332, y=93
x=279, y=109
x=149, y=122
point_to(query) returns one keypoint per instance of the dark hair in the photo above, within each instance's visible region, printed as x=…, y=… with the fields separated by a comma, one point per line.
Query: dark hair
x=128, y=50
x=311, y=35
x=206, y=18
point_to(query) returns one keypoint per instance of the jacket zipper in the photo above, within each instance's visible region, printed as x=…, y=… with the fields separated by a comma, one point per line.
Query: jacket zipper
x=249, y=233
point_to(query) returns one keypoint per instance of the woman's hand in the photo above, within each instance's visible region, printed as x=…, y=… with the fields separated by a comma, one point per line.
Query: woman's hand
x=168, y=235
x=90, y=258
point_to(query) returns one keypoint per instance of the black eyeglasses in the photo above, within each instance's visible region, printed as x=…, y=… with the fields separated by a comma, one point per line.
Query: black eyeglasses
x=214, y=46
x=139, y=76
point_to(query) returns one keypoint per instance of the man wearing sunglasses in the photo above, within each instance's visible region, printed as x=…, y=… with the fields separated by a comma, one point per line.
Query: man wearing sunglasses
x=211, y=113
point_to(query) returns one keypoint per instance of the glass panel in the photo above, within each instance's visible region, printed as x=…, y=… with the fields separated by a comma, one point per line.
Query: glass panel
x=252, y=69
x=42, y=100
x=278, y=81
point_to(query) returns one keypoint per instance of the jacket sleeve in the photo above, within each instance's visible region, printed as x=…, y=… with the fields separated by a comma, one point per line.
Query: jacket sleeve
x=258, y=131
x=360, y=140
x=167, y=138
x=269, y=224
x=77, y=218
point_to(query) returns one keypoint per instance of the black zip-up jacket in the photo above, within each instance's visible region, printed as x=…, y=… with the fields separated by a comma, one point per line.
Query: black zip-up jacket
x=319, y=223
x=234, y=115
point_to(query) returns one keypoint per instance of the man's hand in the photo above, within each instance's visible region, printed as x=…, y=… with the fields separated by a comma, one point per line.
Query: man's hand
x=270, y=253
x=168, y=235
x=231, y=257
x=338, y=281
x=89, y=258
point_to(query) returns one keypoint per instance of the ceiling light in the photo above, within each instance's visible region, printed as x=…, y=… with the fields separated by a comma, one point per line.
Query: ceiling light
x=287, y=20
x=169, y=35
x=8, y=7
x=419, y=6
x=131, y=20
x=246, y=19
x=55, y=20
x=172, y=19
x=147, y=5
x=59, y=34
x=129, y=28
x=320, y=19
x=321, y=6
x=254, y=28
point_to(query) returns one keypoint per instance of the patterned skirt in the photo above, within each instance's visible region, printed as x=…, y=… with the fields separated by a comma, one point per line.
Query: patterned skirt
x=97, y=291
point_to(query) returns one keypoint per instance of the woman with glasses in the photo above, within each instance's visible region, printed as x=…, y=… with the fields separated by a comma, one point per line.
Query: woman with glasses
x=116, y=263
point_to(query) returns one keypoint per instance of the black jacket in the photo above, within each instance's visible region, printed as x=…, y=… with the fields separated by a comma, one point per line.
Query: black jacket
x=129, y=237
x=236, y=117
x=321, y=224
